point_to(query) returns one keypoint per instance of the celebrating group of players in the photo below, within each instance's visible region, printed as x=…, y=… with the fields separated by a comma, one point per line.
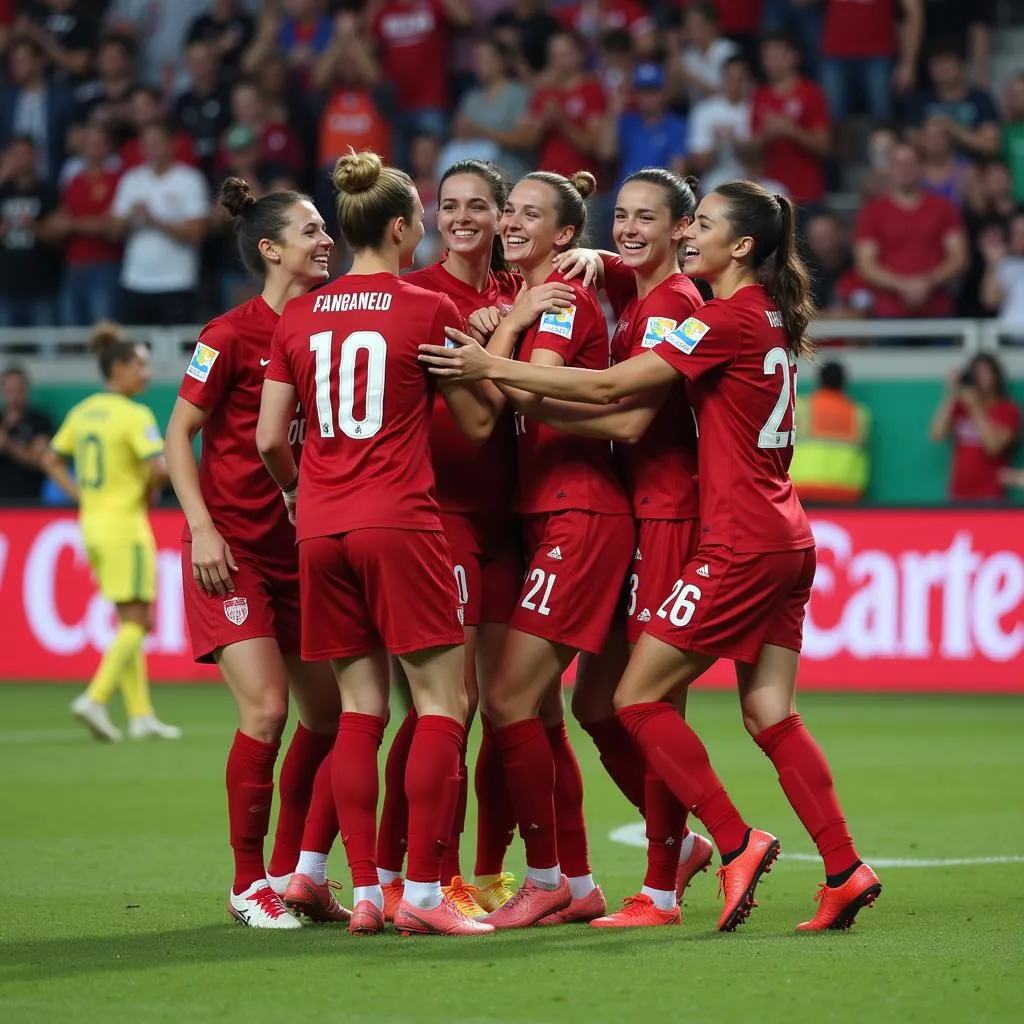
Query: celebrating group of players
x=462, y=519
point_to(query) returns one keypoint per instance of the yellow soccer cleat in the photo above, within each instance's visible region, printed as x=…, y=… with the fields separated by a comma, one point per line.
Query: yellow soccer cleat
x=496, y=893
x=464, y=897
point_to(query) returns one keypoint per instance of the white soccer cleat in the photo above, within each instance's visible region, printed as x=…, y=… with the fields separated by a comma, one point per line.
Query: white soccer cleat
x=96, y=718
x=260, y=907
x=144, y=726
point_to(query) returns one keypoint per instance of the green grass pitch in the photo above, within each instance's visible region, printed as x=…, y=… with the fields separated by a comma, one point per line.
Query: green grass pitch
x=115, y=868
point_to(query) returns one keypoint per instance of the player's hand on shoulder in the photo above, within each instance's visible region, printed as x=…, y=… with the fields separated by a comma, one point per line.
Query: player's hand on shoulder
x=585, y=263
x=484, y=322
x=212, y=562
x=460, y=358
x=531, y=303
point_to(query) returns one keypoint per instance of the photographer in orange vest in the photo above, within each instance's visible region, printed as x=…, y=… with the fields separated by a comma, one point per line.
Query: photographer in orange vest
x=830, y=460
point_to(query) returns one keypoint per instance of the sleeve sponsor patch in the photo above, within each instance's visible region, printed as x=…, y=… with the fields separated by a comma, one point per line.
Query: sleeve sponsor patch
x=658, y=328
x=559, y=323
x=687, y=335
x=202, y=362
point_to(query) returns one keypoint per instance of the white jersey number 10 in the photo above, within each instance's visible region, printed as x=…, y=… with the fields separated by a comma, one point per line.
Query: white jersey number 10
x=376, y=349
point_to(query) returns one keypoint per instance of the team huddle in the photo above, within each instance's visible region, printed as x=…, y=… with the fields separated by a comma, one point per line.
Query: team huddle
x=488, y=488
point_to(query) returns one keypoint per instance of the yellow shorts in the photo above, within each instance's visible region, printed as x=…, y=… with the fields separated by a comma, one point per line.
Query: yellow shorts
x=125, y=571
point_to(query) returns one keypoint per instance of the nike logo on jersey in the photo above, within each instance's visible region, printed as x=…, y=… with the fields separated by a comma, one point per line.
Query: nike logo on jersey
x=555, y=553
x=264, y=362
x=704, y=571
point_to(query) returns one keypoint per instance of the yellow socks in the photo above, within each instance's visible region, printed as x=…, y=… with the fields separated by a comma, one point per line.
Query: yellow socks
x=118, y=662
x=135, y=687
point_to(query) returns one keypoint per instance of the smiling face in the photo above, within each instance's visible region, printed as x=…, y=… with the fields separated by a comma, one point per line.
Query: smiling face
x=645, y=234
x=711, y=245
x=467, y=216
x=304, y=246
x=529, y=229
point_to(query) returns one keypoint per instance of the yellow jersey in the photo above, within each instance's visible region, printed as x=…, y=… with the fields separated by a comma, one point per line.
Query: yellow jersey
x=111, y=440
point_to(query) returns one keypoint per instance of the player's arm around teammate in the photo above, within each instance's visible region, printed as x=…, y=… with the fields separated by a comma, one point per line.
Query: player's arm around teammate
x=238, y=552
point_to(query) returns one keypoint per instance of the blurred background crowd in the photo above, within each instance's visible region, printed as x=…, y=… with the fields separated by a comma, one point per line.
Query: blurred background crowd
x=896, y=125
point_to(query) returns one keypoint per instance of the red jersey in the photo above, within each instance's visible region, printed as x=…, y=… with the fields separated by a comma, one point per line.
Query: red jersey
x=413, y=50
x=742, y=380
x=225, y=380
x=859, y=28
x=910, y=241
x=350, y=349
x=131, y=152
x=90, y=195
x=558, y=470
x=661, y=468
x=580, y=104
x=975, y=473
x=801, y=172
x=737, y=17
x=477, y=479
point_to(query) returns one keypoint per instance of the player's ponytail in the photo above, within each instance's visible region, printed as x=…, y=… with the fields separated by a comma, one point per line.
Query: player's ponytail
x=771, y=222
x=570, y=201
x=491, y=175
x=370, y=196
x=111, y=346
x=257, y=219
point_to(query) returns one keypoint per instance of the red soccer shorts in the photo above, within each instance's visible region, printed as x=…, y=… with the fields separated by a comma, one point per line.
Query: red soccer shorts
x=729, y=605
x=488, y=563
x=663, y=547
x=265, y=603
x=578, y=561
x=377, y=587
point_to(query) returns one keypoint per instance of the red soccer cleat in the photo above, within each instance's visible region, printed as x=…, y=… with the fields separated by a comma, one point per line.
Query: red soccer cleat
x=699, y=860
x=639, y=912
x=531, y=904
x=580, y=911
x=738, y=879
x=314, y=901
x=444, y=919
x=838, y=907
x=393, y=893
x=367, y=919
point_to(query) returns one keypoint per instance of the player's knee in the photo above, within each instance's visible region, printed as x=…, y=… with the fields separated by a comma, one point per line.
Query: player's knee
x=265, y=719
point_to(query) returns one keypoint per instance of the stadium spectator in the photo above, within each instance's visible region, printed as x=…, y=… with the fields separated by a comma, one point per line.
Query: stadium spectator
x=967, y=110
x=943, y=168
x=865, y=51
x=161, y=209
x=66, y=32
x=740, y=21
x=32, y=106
x=279, y=142
x=697, y=71
x=910, y=246
x=485, y=122
x=92, y=258
x=837, y=291
x=968, y=21
x=108, y=96
x=830, y=463
x=526, y=29
x=1002, y=286
x=423, y=168
x=649, y=135
x=29, y=267
x=147, y=108
x=228, y=27
x=789, y=123
x=594, y=18
x=299, y=29
x=1013, y=132
x=983, y=424
x=204, y=110
x=24, y=437
x=800, y=20
x=717, y=124
x=616, y=62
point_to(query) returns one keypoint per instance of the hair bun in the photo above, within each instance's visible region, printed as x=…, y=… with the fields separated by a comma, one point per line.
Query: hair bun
x=105, y=334
x=236, y=197
x=357, y=172
x=584, y=183
x=693, y=181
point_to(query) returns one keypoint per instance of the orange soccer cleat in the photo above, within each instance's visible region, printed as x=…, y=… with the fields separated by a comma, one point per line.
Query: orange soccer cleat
x=580, y=911
x=393, y=892
x=367, y=919
x=738, y=879
x=838, y=907
x=639, y=912
x=444, y=919
x=531, y=904
x=700, y=857
x=464, y=896
x=314, y=901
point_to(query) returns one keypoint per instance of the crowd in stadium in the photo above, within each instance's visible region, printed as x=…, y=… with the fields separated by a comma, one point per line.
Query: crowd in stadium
x=119, y=120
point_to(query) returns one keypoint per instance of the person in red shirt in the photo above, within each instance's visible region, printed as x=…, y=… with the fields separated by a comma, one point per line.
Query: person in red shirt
x=375, y=571
x=238, y=552
x=93, y=262
x=983, y=423
x=594, y=19
x=743, y=595
x=475, y=485
x=147, y=107
x=910, y=245
x=789, y=123
x=565, y=122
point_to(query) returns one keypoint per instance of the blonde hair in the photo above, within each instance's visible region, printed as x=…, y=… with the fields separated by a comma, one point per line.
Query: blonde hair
x=570, y=196
x=370, y=196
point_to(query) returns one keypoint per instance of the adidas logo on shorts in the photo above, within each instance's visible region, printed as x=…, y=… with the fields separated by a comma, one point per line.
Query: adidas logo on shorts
x=704, y=571
x=555, y=553
x=644, y=616
x=638, y=557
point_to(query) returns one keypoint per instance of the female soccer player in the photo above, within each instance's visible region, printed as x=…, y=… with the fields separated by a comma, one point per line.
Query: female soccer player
x=756, y=551
x=374, y=567
x=238, y=548
x=117, y=452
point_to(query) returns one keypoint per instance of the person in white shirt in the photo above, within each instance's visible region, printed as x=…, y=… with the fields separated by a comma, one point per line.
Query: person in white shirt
x=717, y=124
x=1002, y=287
x=697, y=73
x=161, y=210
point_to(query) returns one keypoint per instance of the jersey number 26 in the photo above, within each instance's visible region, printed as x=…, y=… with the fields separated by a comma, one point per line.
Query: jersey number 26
x=376, y=349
